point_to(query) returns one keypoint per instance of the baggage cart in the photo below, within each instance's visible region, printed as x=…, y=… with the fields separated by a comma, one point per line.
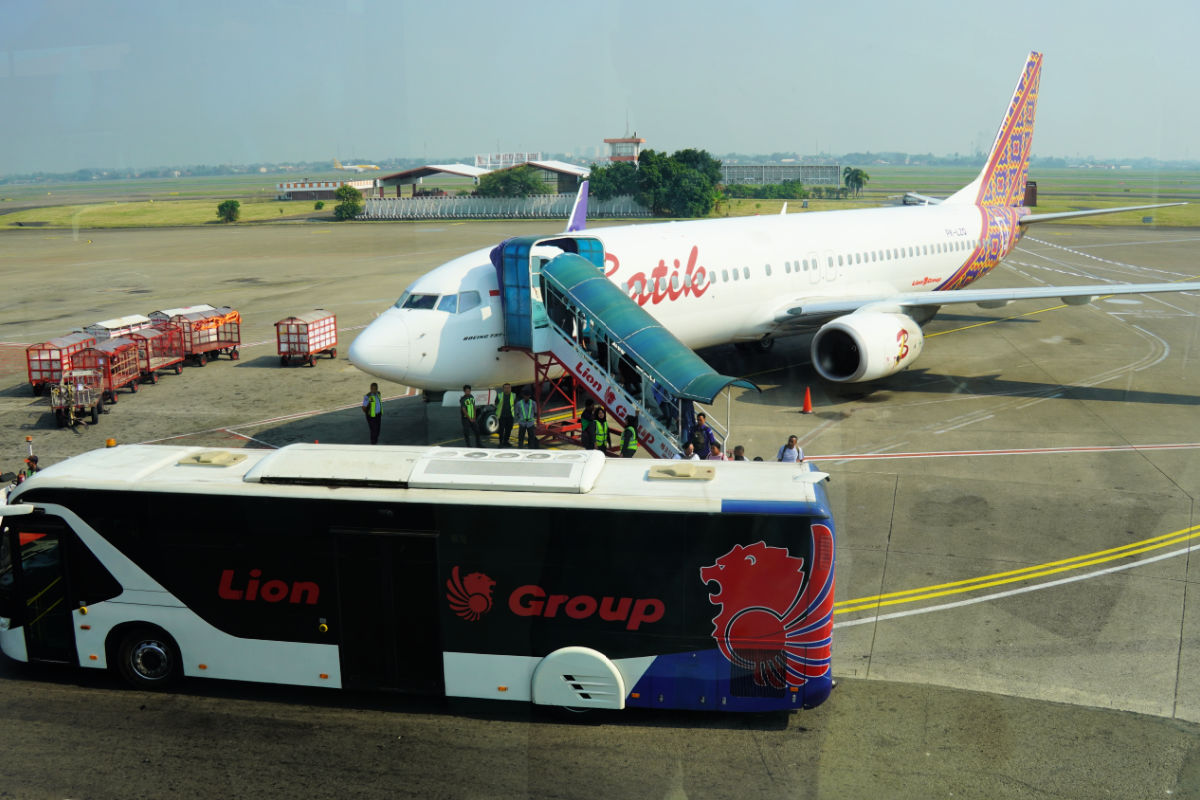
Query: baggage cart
x=47, y=359
x=305, y=336
x=78, y=394
x=159, y=347
x=165, y=314
x=117, y=327
x=116, y=361
x=207, y=334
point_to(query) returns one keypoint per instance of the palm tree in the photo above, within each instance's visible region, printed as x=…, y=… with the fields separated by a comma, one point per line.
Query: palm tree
x=855, y=179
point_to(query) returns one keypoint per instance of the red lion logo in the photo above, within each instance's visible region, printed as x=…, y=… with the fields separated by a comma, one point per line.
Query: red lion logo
x=471, y=597
x=763, y=625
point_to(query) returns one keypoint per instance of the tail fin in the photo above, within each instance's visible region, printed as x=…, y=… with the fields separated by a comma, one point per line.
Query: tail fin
x=578, y=218
x=1002, y=181
x=337, y=164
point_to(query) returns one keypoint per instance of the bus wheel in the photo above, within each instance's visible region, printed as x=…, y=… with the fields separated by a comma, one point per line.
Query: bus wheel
x=148, y=659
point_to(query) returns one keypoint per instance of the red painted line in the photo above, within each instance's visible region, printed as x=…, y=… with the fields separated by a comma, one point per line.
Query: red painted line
x=1116, y=448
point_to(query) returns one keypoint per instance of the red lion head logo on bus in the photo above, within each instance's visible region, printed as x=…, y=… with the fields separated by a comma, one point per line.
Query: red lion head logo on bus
x=764, y=625
x=470, y=597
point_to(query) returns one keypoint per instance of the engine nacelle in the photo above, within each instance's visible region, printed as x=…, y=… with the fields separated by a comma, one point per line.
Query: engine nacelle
x=865, y=346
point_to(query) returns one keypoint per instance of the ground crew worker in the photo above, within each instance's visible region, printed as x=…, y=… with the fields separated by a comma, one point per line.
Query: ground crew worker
x=587, y=424
x=505, y=407
x=466, y=408
x=372, y=406
x=526, y=419
x=629, y=442
x=600, y=430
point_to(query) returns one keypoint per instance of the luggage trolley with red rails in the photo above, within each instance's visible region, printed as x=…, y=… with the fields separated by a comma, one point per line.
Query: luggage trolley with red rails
x=207, y=334
x=117, y=362
x=306, y=336
x=46, y=360
x=159, y=347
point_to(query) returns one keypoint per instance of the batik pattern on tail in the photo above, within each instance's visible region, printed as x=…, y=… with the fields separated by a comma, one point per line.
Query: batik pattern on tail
x=1008, y=164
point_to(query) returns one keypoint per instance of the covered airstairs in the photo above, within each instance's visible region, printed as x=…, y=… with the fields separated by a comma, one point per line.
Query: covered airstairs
x=561, y=309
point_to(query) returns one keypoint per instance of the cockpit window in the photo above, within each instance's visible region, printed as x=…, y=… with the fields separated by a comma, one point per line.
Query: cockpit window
x=400, y=303
x=467, y=301
x=448, y=303
x=423, y=301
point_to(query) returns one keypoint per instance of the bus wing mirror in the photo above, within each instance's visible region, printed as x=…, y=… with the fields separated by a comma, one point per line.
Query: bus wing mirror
x=18, y=510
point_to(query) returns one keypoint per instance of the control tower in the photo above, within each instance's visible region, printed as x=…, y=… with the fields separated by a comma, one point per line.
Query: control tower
x=625, y=149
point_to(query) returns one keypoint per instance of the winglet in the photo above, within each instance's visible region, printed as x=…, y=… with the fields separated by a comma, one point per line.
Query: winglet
x=578, y=219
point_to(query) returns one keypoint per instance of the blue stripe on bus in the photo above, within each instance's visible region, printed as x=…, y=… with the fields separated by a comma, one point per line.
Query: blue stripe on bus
x=765, y=507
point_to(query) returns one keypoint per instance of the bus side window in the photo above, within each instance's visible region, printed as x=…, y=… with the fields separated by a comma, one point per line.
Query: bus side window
x=90, y=581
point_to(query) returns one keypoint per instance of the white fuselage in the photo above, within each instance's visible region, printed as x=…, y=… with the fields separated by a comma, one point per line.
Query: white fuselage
x=708, y=281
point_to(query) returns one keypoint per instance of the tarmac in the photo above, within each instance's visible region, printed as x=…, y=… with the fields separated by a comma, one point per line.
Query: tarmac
x=1016, y=513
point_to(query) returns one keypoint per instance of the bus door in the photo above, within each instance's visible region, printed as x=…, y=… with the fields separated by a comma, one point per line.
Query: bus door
x=387, y=597
x=33, y=586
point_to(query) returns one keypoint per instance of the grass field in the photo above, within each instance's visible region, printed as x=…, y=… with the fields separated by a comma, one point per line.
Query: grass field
x=193, y=201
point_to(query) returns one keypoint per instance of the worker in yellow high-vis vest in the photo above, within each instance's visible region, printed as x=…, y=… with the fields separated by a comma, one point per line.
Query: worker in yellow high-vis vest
x=372, y=406
x=470, y=417
x=505, y=414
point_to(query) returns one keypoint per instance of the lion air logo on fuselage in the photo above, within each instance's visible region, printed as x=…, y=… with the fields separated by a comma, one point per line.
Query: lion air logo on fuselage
x=764, y=625
x=469, y=597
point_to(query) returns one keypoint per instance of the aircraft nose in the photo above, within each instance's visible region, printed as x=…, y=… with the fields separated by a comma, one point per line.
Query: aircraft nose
x=382, y=349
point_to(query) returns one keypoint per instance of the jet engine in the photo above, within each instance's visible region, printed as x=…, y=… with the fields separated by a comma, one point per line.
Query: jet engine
x=866, y=345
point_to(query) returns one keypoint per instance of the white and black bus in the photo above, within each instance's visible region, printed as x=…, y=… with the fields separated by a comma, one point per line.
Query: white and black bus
x=559, y=578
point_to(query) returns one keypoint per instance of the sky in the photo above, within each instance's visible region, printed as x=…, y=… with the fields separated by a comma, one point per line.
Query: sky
x=132, y=84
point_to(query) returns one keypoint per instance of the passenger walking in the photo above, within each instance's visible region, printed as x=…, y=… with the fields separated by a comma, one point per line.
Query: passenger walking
x=505, y=410
x=688, y=454
x=715, y=454
x=526, y=419
x=629, y=440
x=702, y=436
x=587, y=430
x=470, y=423
x=372, y=406
x=790, y=452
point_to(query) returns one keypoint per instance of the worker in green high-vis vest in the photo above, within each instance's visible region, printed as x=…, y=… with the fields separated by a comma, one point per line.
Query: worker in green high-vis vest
x=470, y=418
x=372, y=406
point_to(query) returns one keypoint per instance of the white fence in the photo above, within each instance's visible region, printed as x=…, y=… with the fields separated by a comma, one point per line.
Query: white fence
x=544, y=206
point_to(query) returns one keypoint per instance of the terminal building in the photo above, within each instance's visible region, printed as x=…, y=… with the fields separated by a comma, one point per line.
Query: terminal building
x=757, y=174
x=322, y=190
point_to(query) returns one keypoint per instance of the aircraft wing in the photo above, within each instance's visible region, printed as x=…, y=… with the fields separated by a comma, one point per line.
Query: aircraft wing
x=801, y=308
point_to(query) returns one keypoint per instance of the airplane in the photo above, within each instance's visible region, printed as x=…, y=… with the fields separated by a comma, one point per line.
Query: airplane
x=863, y=281
x=353, y=167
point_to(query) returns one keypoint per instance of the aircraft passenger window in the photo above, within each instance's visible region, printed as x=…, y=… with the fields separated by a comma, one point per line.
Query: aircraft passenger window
x=687, y=281
x=467, y=301
x=421, y=301
x=839, y=261
x=768, y=269
x=449, y=303
x=725, y=275
x=858, y=258
x=735, y=274
x=675, y=281
x=746, y=273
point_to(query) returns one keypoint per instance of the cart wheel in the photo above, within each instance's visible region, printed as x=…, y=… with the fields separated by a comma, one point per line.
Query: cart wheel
x=59, y=420
x=133, y=386
x=234, y=355
x=333, y=352
x=97, y=410
x=312, y=361
x=154, y=377
x=283, y=361
x=201, y=359
x=179, y=368
x=110, y=397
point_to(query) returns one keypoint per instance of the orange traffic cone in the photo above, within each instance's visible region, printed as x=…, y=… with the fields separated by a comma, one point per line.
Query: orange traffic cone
x=807, y=402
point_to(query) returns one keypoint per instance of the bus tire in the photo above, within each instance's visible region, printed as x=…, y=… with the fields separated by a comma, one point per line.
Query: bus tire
x=148, y=659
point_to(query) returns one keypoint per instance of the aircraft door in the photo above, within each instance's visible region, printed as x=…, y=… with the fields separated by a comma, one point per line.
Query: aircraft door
x=829, y=271
x=33, y=586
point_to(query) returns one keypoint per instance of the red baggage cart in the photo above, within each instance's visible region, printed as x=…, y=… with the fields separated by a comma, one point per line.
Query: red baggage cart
x=306, y=336
x=207, y=334
x=159, y=347
x=46, y=360
x=116, y=360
